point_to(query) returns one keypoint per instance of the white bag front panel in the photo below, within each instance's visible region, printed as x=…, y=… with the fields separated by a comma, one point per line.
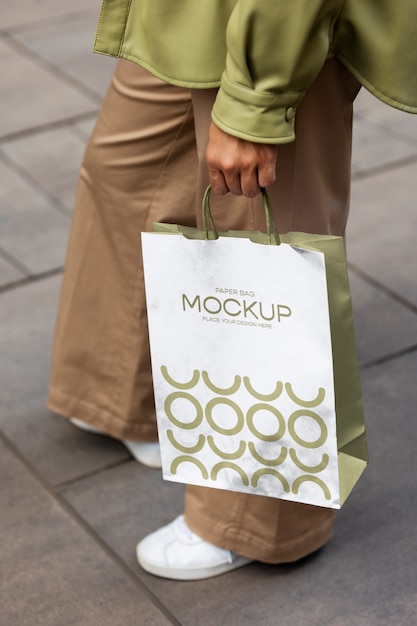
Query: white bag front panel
x=242, y=366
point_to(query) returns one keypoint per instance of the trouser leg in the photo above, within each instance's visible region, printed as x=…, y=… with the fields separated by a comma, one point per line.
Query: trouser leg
x=311, y=194
x=139, y=167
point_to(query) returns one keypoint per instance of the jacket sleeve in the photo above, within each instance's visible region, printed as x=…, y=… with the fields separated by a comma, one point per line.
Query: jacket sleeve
x=275, y=49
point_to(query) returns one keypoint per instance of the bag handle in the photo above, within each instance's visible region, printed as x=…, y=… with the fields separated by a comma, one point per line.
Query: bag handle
x=210, y=228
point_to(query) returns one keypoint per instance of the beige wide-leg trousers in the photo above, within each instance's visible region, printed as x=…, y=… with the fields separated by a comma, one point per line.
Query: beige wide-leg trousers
x=145, y=162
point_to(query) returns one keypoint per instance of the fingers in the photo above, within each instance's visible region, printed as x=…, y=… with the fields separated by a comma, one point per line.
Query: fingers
x=249, y=183
x=268, y=166
x=238, y=166
x=218, y=182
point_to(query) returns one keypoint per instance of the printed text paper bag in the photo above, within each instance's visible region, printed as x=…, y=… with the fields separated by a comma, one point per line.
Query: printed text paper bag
x=254, y=363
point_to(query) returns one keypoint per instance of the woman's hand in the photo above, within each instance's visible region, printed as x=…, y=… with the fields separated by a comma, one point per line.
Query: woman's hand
x=239, y=166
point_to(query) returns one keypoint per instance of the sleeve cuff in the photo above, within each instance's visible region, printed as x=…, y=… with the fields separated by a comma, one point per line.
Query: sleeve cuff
x=255, y=116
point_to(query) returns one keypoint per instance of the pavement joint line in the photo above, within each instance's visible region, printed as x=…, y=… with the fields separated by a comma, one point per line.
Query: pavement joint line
x=85, y=526
x=15, y=263
x=54, y=70
x=380, y=126
x=79, y=132
x=49, y=126
x=23, y=173
x=382, y=360
x=49, y=21
x=79, y=479
x=32, y=278
x=384, y=168
x=381, y=287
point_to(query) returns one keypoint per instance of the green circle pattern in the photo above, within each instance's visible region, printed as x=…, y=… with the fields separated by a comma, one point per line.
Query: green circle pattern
x=302, y=442
x=261, y=406
x=240, y=421
x=184, y=396
x=225, y=431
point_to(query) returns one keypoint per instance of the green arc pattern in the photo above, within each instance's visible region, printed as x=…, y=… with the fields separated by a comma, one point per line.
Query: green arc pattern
x=174, y=383
x=267, y=397
x=186, y=449
x=189, y=459
x=265, y=407
x=225, y=464
x=184, y=396
x=312, y=479
x=268, y=462
x=306, y=403
x=228, y=391
x=225, y=431
x=231, y=456
x=271, y=472
x=307, y=444
x=308, y=468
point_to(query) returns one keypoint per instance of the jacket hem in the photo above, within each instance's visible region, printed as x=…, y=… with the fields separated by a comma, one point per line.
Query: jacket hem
x=178, y=82
x=391, y=101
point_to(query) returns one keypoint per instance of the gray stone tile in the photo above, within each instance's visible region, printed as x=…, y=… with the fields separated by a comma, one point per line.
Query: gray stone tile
x=124, y=504
x=367, y=104
x=84, y=128
x=368, y=107
x=58, y=44
x=9, y=273
x=383, y=326
x=39, y=99
x=51, y=158
x=375, y=146
x=37, y=240
x=25, y=11
x=364, y=576
x=32, y=231
x=16, y=194
x=54, y=572
x=382, y=227
x=60, y=451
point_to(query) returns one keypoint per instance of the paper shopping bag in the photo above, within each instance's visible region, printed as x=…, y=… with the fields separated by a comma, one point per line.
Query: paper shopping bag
x=254, y=361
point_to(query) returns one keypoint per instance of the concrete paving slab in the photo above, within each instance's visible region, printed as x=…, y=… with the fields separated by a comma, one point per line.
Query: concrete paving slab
x=84, y=128
x=17, y=196
x=367, y=105
x=124, y=504
x=40, y=98
x=53, y=571
x=370, y=108
x=374, y=147
x=60, y=451
x=383, y=326
x=9, y=273
x=382, y=227
x=67, y=44
x=14, y=15
x=37, y=239
x=32, y=231
x=52, y=159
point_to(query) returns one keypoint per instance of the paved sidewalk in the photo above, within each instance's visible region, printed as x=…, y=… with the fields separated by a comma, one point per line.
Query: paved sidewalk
x=73, y=505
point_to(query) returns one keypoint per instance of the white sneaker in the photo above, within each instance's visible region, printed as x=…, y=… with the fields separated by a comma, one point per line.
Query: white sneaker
x=175, y=552
x=146, y=452
x=85, y=426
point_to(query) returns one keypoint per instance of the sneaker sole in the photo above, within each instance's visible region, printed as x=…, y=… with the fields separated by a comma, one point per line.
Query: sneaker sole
x=193, y=574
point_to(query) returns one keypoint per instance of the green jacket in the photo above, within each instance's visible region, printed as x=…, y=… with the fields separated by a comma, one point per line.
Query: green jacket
x=263, y=54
